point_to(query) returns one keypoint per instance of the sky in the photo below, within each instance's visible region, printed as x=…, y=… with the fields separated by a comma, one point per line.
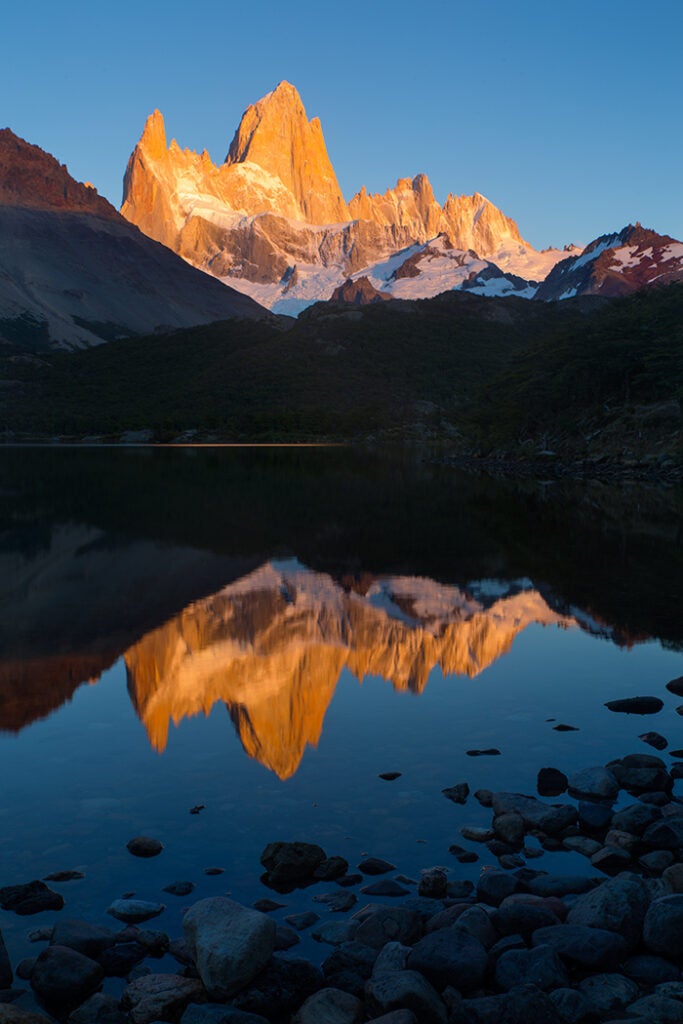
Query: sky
x=567, y=116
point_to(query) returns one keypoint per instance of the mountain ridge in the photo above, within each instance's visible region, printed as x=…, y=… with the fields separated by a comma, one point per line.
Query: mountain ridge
x=274, y=208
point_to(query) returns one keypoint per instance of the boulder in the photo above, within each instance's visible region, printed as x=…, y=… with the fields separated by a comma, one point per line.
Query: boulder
x=648, y=970
x=658, y=1009
x=663, y=927
x=551, y=782
x=11, y=1014
x=352, y=956
x=457, y=793
x=618, y=905
x=160, y=997
x=450, y=956
x=375, y=866
x=62, y=977
x=86, y=938
x=30, y=898
x=6, y=975
x=389, y=924
x=571, y=1005
x=540, y=966
x=393, y=957
x=549, y=818
x=99, y=1009
x=214, y=1013
x=280, y=988
x=605, y=992
x=331, y=1006
x=433, y=883
x=408, y=990
x=289, y=865
x=595, y=783
x=331, y=869
x=230, y=944
x=666, y=834
x=493, y=886
x=580, y=946
x=135, y=911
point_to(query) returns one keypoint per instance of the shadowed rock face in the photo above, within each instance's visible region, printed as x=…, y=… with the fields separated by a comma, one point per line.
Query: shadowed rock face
x=272, y=646
x=73, y=272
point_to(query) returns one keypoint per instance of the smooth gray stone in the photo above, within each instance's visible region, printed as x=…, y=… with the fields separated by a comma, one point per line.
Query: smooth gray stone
x=540, y=966
x=450, y=956
x=581, y=946
x=332, y=1006
x=618, y=905
x=230, y=944
x=159, y=997
x=663, y=927
x=63, y=977
x=214, y=1013
x=387, y=924
x=405, y=990
x=135, y=911
x=598, y=783
x=605, y=992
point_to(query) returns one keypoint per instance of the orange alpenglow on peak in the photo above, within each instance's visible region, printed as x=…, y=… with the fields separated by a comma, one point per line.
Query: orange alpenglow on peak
x=153, y=137
x=276, y=134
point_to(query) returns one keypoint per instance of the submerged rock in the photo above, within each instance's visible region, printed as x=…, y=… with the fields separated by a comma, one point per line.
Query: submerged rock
x=144, y=846
x=30, y=898
x=289, y=865
x=636, y=705
x=135, y=911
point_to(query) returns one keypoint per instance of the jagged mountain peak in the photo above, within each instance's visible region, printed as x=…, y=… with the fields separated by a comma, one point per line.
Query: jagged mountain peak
x=32, y=179
x=153, y=138
x=275, y=134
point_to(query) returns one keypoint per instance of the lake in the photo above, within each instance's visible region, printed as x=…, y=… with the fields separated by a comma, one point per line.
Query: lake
x=264, y=632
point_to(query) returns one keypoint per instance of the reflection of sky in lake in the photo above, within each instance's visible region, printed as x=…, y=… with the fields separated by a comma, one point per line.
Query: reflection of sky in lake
x=101, y=555
x=80, y=783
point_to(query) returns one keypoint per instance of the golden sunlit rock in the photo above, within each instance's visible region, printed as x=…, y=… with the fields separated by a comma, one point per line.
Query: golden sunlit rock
x=272, y=646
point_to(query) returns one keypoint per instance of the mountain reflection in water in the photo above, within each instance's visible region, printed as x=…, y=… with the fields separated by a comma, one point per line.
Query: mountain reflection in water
x=272, y=647
x=105, y=554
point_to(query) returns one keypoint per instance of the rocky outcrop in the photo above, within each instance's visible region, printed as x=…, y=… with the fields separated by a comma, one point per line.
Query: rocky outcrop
x=275, y=204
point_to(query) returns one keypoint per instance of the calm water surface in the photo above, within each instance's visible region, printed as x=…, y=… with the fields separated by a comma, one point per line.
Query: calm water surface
x=264, y=632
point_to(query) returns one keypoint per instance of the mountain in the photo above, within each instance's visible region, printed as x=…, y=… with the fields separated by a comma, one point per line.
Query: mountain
x=272, y=221
x=272, y=646
x=616, y=264
x=74, y=273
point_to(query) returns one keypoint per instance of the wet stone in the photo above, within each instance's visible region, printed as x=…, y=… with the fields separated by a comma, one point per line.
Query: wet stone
x=179, y=888
x=385, y=887
x=289, y=865
x=611, y=860
x=563, y=727
x=30, y=898
x=596, y=783
x=605, y=992
x=331, y=869
x=457, y=793
x=266, y=905
x=303, y=920
x=389, y=776
x=375, y=866
x=389, y=924
x=462, y=855
x=337, y=901
x=450, y=956
x=493, y=886
x=649, y=970
x=285, y=938
x=64, y=978
x=135, y=911
x=654, y=739
x=551, y=782
x=433, y=883
x=675, y=686
x=636, y=705
x=64, y=876
x=346, y=881
x=488, y=752
x=144, y=846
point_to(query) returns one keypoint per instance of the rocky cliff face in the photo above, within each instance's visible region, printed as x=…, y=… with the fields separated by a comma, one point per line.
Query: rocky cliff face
x=617, y=264
x=272, y=646
x=74, y=273
x=275, y=207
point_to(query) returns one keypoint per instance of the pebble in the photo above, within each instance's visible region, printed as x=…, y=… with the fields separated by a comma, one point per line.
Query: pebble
x=375, y=866
x=179, y=888
x=457, y=793
x=389, y=776
x=636, y=705
x=135, y=911
x=654, y=739
x=489, y=752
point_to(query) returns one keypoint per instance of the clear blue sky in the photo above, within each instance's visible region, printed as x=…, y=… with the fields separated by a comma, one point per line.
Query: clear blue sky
x=567, y=116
